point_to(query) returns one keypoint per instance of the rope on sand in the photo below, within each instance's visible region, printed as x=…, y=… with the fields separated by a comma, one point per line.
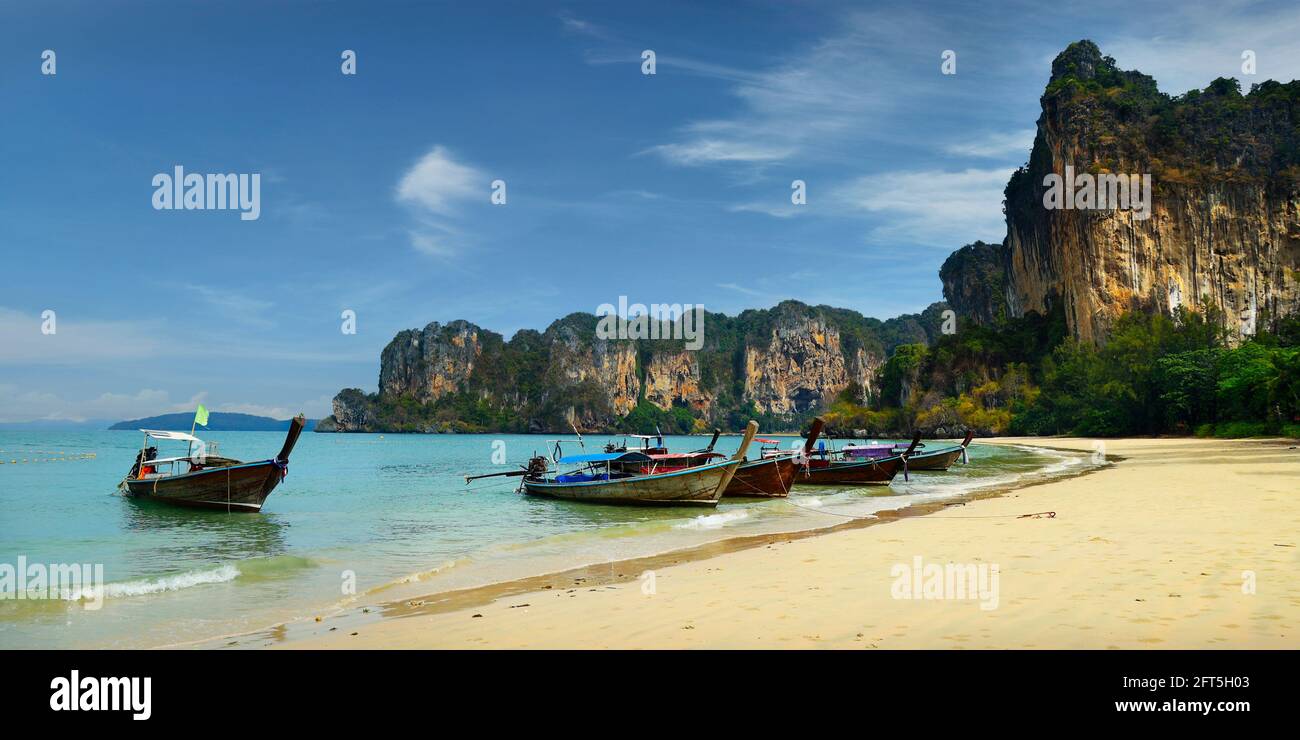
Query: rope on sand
x=1035, y=515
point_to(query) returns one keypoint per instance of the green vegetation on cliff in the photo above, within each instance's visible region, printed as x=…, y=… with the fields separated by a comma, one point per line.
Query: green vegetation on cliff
x=1156, y=374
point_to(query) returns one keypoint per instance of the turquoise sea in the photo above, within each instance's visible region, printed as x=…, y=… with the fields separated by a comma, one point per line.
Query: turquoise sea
x=371, y=510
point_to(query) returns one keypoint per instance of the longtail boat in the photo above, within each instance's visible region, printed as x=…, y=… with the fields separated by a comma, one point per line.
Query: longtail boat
x=620, y=477
x=940, y=459
x=200, y=479
x=776, y=470
x=825, y=469
x=770, y=476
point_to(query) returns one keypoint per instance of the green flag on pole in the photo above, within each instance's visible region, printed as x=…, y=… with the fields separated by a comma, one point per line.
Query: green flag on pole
x=201, y=416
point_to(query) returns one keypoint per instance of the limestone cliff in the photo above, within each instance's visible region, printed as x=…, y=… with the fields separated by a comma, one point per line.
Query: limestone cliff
x=429, y=364
x=975, y=283
x=578, y=358
x=672, y=379
x=800, y=364
x=1224, y=221
x=783, y=363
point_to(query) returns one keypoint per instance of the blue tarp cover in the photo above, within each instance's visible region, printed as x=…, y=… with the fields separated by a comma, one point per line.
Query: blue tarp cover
x=580, y=478
x=596, y=457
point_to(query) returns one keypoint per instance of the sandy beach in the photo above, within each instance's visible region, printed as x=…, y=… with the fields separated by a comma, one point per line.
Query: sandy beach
x=1179, y=543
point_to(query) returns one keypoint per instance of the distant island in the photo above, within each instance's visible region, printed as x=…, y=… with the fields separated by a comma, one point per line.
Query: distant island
x=218, y=421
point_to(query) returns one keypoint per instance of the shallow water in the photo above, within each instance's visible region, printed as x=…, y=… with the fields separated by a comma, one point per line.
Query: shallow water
x=360, y=515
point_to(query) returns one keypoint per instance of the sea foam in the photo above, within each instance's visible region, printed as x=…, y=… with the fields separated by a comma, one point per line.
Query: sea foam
x=713, y=521
x=175, y=582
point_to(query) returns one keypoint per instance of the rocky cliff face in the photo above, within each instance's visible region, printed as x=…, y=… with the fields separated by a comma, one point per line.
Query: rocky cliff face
x=352, y=412
x=797, y=368
x=672, y=379
x=610, y=365
x=975, y=283
x=784, y=362
x=1224, y=218
x=429, y=364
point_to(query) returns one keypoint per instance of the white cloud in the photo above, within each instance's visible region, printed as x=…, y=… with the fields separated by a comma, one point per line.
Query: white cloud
x=1196, y=44
x=936, y=208
x=836, y=89
x=439, y=183
x=708, y=151
x=1013, y=145
x=436, y=187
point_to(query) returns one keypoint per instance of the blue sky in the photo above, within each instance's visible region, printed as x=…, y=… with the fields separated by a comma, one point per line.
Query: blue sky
x=670, y=188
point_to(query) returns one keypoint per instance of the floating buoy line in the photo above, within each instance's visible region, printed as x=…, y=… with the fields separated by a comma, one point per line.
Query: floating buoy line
x=61, y=457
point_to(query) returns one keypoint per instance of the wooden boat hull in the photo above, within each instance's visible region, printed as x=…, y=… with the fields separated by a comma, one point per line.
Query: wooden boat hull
x=866, y=472
x=699, y=486
x=770, y=478
x=937, y=460
x=242, y=487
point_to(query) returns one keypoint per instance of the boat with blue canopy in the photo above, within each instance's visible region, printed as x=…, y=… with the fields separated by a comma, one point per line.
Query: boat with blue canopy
x=630, y=477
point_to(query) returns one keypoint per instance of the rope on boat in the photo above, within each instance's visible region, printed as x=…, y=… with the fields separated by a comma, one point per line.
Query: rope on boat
x=785, y=490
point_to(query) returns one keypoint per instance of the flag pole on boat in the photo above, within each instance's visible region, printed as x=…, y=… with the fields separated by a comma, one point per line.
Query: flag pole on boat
x=200, y=418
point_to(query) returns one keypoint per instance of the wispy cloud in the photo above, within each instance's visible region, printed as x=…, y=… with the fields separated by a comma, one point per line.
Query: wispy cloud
x=934, y=208
x=231, y=305
x=740, y=289
x=426, y=241
x=573, y=24
x=712, y=151
x=996, y=145
x=437, y=187
x=837, y=87
x=777, y=210
x=75, y=340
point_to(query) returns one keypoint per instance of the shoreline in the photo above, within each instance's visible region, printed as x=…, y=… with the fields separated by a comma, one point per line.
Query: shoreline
x=405, y=596
x=373, y=607
x=1118, y=587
